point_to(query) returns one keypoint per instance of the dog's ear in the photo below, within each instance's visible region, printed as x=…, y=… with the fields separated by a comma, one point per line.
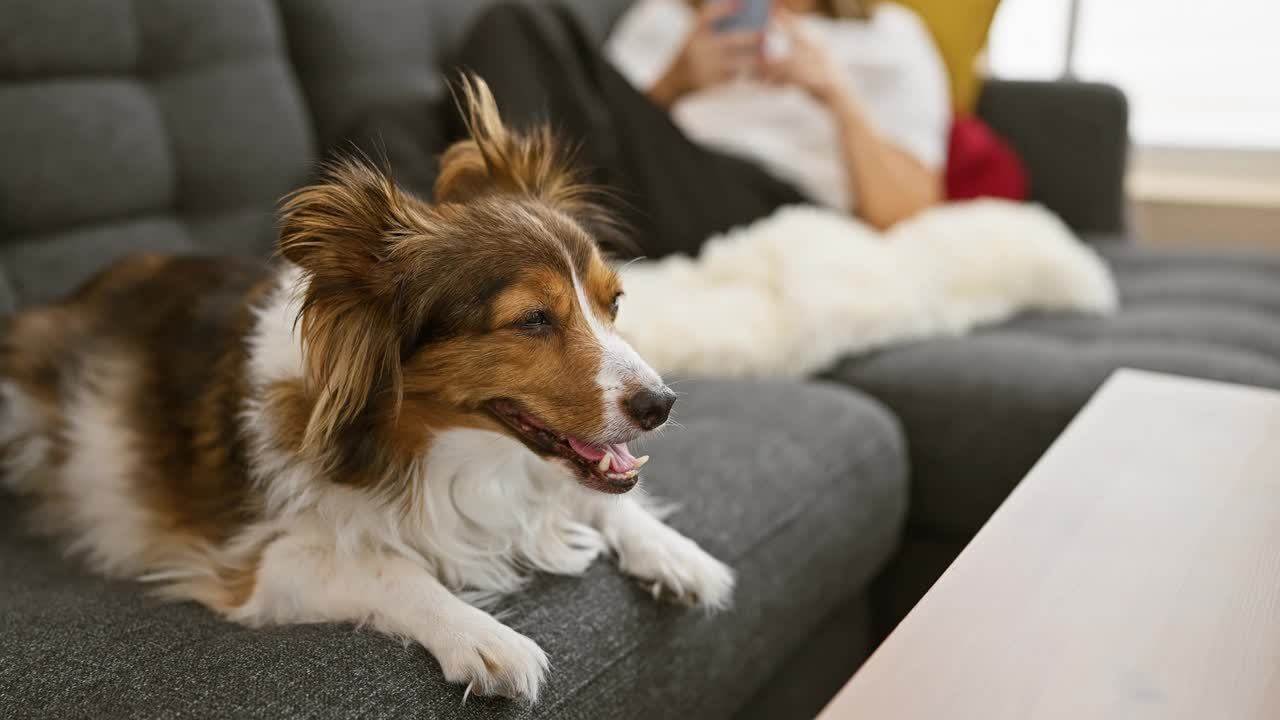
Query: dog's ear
x=464, y=172
x=340, y=232
x=499, y=160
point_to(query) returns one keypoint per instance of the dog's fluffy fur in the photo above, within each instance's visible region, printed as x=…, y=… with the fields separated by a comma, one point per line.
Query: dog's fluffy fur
x=419, y=405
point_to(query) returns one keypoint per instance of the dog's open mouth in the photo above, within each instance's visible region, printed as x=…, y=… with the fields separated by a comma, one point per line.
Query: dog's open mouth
x=607, y=468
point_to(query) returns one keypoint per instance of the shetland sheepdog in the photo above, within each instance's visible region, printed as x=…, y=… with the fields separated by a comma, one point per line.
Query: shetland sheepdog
x=418, y=405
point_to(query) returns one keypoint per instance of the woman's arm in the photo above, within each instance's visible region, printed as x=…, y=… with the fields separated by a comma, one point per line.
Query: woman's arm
x=890, y=184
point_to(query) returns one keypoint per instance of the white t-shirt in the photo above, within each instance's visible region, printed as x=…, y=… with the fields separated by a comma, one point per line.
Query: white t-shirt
x=890, y=60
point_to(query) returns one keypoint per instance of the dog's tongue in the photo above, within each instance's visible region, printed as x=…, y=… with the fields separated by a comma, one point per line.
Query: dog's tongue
x=620, y=458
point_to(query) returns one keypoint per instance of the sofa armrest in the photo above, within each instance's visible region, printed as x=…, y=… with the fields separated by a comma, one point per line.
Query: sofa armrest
x=1074, y=139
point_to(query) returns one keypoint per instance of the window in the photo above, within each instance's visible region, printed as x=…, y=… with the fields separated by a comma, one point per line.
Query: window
x=1198, y=74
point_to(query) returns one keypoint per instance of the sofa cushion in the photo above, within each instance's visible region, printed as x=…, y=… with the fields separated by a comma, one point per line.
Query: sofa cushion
x=156, y=125
x=801, y=488
x=980, y=410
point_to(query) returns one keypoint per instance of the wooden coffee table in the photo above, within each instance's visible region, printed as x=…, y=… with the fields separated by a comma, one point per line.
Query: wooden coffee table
x=1134, y=573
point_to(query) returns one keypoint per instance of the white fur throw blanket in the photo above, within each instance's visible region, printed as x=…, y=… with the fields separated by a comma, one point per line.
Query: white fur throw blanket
x=792, y=293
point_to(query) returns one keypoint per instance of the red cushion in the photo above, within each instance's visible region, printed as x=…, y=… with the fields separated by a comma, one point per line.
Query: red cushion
x=980, y=163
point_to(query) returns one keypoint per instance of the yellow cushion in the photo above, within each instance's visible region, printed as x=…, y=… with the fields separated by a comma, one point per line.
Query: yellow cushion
x=960, y=29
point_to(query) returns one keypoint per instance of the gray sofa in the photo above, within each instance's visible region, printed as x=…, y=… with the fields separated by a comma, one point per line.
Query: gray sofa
x=175, y=126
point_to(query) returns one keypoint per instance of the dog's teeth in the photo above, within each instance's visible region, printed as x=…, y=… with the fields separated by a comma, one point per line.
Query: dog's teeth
x=604, y=463
x=640, y=461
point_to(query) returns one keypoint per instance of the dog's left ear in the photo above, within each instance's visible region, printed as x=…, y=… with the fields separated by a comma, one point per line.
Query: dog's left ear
x=340, y=232
x=499, y=160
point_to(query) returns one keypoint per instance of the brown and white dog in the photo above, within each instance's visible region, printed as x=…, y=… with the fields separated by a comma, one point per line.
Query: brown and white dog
x=423, y=403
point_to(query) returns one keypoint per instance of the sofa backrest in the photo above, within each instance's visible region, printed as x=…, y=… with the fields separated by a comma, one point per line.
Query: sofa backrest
x=146, y=126
x=175, y=126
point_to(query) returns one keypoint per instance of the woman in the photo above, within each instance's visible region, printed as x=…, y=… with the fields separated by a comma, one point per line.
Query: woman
x=699, y=130
x=857, y=112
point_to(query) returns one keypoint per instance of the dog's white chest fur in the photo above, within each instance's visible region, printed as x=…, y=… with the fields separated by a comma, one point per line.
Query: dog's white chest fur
x=491, y=510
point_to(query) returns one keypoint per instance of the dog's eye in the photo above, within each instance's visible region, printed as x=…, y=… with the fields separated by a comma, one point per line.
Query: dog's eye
x=535, y=320
x=613, y=308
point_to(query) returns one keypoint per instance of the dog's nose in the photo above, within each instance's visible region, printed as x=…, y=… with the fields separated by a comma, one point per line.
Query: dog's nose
x=650, y=408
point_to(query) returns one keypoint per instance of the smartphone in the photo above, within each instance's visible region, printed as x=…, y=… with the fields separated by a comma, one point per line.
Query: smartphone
x=751, y=15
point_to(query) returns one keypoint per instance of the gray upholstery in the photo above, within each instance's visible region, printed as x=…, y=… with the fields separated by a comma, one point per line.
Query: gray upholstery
x=979, y=411
x=1074, y=139
x=160, y=125
x=756, y=469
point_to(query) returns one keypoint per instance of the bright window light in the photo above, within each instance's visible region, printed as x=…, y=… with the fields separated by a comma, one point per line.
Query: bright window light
x=1197, y=74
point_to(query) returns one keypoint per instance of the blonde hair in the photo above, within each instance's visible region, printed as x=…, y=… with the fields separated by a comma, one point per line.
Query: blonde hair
x=843, y=9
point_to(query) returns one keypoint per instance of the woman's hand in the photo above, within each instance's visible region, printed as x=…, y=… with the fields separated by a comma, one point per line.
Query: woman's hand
x=807, y=66
x=890, y=183
x=709, y=56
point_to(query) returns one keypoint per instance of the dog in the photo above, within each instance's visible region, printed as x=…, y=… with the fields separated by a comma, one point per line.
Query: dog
x=417, y=406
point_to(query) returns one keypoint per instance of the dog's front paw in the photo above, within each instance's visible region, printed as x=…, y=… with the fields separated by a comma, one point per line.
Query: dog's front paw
x=674, y=566
x=493, y=659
